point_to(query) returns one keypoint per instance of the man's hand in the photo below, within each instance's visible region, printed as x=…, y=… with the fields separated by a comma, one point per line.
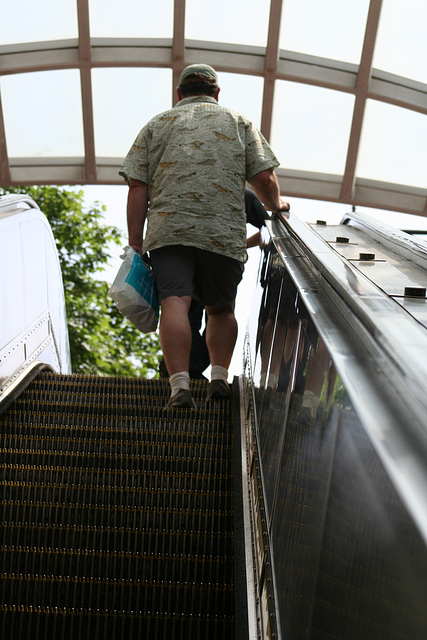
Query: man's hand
x=284, y=206
x=137, y=248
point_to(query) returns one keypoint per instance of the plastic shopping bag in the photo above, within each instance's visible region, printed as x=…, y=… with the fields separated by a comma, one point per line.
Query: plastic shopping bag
x=134, y=292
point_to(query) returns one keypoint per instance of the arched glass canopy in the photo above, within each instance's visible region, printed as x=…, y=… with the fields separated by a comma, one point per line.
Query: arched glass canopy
x=339, y=88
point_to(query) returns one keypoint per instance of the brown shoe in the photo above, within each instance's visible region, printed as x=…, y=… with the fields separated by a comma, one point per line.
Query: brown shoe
x=218, y=390
x=183, y=399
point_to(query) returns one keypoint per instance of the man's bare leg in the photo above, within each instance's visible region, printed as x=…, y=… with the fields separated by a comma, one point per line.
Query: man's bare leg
x=175, y=333
x=175, y=339
x=221, y=335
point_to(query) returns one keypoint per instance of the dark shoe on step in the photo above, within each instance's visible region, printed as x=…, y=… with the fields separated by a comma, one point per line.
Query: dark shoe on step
x=182, y=398
x=218, y=390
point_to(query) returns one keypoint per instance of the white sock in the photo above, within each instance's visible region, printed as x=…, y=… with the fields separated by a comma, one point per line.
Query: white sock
x=180, y=380
x=219, y=373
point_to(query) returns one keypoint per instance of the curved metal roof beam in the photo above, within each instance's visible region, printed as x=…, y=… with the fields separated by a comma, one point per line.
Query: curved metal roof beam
x=362, y=87
x=269, y=63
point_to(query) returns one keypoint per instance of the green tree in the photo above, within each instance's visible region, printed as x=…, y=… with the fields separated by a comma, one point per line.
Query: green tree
x=102, y=340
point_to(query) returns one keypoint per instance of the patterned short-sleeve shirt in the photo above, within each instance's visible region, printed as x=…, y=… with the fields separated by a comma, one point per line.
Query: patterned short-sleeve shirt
x=195, y=159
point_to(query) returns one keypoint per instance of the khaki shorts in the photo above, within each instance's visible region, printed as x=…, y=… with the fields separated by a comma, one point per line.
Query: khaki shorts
x=188, y=271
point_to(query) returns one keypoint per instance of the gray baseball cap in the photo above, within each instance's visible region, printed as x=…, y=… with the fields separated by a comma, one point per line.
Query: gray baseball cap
x=202, y=71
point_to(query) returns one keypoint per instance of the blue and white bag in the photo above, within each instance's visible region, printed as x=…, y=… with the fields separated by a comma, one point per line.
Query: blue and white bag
x=134, y=292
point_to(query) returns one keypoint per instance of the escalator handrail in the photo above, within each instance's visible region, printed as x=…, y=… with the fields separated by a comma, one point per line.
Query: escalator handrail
x=15, y=203
x=338, y=271
x=25, y=378
x=389, y=396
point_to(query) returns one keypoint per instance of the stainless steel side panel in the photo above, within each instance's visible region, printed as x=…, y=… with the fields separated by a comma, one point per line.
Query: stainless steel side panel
x=339, y=429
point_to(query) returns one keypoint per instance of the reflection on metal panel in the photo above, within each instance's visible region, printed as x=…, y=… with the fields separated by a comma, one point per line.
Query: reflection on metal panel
x=391, y=264
x=416, y=307
x=347, y=558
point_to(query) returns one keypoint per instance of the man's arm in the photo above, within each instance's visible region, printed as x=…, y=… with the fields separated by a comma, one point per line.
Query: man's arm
x=137, y=207
x=266, y=187
x=253, y=241
x=256, y=215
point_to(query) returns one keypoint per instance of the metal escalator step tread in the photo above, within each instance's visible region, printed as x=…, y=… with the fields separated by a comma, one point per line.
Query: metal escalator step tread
x=180, y=540
x=88, y=385
x=16, y=471
x=110, y=500
x=84, y=623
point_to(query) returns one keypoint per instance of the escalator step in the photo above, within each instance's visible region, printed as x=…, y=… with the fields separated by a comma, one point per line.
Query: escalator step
x=116, y=513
